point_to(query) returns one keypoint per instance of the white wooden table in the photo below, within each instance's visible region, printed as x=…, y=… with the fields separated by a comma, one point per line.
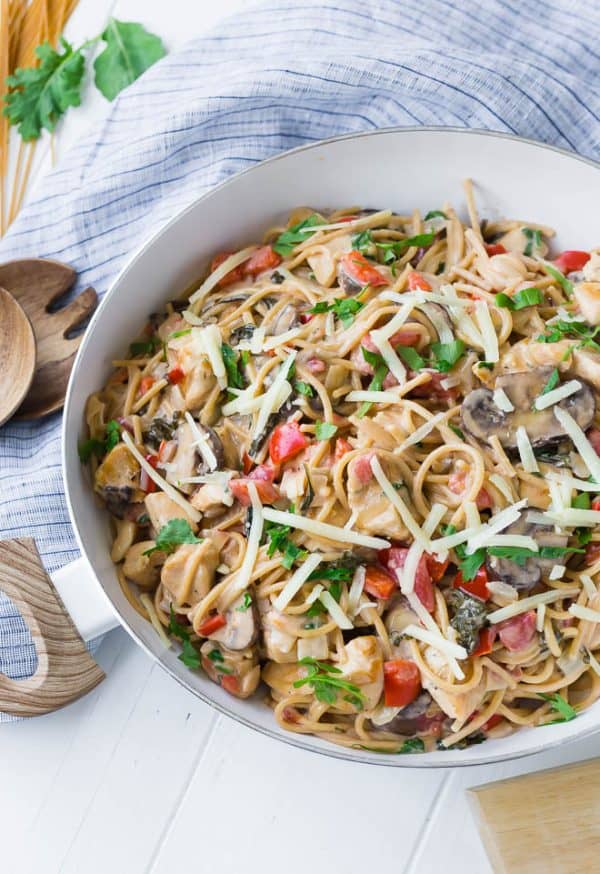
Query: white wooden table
x=141, y=777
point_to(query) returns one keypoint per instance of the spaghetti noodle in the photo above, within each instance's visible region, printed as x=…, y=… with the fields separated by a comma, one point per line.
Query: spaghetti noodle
x=347, y=465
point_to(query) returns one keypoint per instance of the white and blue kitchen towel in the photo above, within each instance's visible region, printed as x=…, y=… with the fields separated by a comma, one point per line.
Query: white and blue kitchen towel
x=284, y=73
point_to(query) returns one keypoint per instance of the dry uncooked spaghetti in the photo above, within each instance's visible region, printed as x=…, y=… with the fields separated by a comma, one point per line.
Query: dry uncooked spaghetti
x=24, y=24
x=358, y=463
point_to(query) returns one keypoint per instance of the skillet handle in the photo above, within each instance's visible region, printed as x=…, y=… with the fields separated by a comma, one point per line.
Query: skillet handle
x=65, y=670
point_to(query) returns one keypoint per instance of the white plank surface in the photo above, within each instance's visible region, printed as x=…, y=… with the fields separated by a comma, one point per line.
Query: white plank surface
x=141, y=777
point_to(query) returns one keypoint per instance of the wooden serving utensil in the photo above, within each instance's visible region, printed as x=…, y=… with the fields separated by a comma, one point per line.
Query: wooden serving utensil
x=17, y=355
x=37, y=284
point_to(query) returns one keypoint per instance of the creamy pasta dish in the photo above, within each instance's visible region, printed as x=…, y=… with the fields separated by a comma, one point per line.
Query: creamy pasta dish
x=355, y=471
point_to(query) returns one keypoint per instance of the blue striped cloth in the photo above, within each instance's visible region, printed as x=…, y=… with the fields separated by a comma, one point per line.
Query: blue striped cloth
x=285, y=73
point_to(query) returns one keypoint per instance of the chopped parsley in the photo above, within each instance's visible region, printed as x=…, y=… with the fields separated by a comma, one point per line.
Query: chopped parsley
x=559, y=705
x=411, y=357
x=217, y=658
x=435, y=213
x=413, y=744
x=527, y=297
x=231, y=360
x=189, y=654
x=145, y=347
x=279, y=541
x=565, y=284
x=177, y=334
x=447, y=354
x=174, y=533
x=560, y=329
x=582, y=501
x=303, y=388
x=489, y=365
x=246, y=603
x=534, y=240
x=333, y=572
x=552, y=382
x=456, y=430
x=326, y=683
x=325, y=430
x=364, y=243
x=286, y=242
x=380, y=371
x=345, y=308
x=112, y=432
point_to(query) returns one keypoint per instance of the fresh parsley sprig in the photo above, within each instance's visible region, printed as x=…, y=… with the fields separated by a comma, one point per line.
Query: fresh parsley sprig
x=380, y=371
x=559, y=705
x=326, y=683
x=534, y=240
x=189, y=654
x=174, y=533
x=345, y=308
x=39, y=96
x=233, y=364
x=527, y=297
x=286, y=242
x=92, y=446
x=278, y=537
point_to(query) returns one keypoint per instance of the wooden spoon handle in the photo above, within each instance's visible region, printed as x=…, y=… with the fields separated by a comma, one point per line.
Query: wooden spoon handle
x=65, y=670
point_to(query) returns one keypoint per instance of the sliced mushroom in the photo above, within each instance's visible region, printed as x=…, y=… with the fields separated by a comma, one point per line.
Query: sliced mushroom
x=403, y=720
x=437, y=316
x=397, y=617
x=117, y=480
x=189, y=573
x=143, y=569
x=240, y=630
x=483, y=419
x=286, y=319
x=349, y=286
x=525, y=577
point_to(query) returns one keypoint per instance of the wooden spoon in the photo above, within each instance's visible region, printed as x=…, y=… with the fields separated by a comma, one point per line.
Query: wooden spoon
x=17, y=355
x=37, y=284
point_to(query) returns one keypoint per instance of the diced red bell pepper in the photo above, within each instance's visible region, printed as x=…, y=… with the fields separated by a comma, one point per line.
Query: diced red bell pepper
x=286, y=441
x=401, y=682
x=342, y=446
x=571, y=260
x=434, y=388
x=516, y=633
x=592, y=553
x=405, y=337
x=146, y=483
x=487, y=636
x=212, y=624
x=358, y=268
x=417, y=281
x=235, y=275
x=495, y=249
x=379, y=583
x=146, y=383
x=176, y=375
x=476, y=587
x=457, y=483
x=247, y=463
x=436, y=568
x=230, y=683
x=262, y=476
x=264, y=258
x=394, y=559
x=593, y=435
x=495, y=719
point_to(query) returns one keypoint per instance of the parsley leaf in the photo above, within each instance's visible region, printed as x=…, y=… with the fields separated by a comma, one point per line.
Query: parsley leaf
x=411, y=357
x=560, y=706
x=398, y=247
x=413, y=744
x=303, y=388
x=286, y=242
x=130, y=50
x=345, y=308
x=456, y=430
x=335, y=590
x=582, y=501
x=246, y=603
x=534, y=240
x=565, y=284
x=174, y=533
x=380, y=371
x=217, y=658
x=145, y=347
x=325, y=430
x=559, y=329
x=279, y=541
x=363, y=242
x=335, y=573
x=447, y=354
x=527, y=297
x=231, y=360
x=435, y=213
x=39, y=96
x=326, y=683
x=469, y=564
x=92, y=446
x=189, y=654
x=552, y=382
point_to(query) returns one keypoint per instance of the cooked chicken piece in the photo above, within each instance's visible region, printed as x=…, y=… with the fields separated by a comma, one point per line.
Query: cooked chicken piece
x=279, y=633
x=375, y=513
x=501, y=270
x=458, y=705
x=323, y=261
x=199, y=377
x=185, y=459
x=294, y=485
x=117, y=480
x=240, y=630
x=173, y=323
x=189, y=573
x=143, y=569
x=212, y=498
x=161, y=509
x=237, y=672
x=364, y=667
x=587, y=295
x=313, y=648
x=591, y=270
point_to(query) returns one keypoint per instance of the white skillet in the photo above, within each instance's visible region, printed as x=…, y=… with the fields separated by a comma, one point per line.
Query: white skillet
x=397, y=168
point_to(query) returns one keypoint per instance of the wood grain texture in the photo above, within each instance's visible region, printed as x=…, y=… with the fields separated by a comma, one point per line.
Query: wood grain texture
x=543, y=823
x=38, y=284
x=65, y=671
x=17, y=355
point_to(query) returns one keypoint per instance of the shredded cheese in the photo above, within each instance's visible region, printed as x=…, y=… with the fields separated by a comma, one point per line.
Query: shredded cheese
x=594, y=664
x=271, y=401
x=585, y=613
x=558, y=394
x=502, y=401
x=241, y=580
x=472, y=515
x=434, y=517
x=167, y=488
x=409, y=571
x=522, y=541
x=422, y=431
x=220, y=272
x=395, y=499
x=429, y=623
x=488, y=332
x=398, y=320
x=573, y=516
x=588, y=584
x=539, y=620
x=528, y=459
x=202, y=442
x=496, y=524
x=503, y=590
x=323, y=529
x=395, y=366
x=530, y=603
x=375, y=218
x=334, y=610
x=314, y=595
x=297, y=580
x=446, y=647
x=557, y=571
x=439, y=322
x=502, y=485
x=583, y=485
x=356, y=589
x=580, y=441
x=372, y=397
x=281, y=339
